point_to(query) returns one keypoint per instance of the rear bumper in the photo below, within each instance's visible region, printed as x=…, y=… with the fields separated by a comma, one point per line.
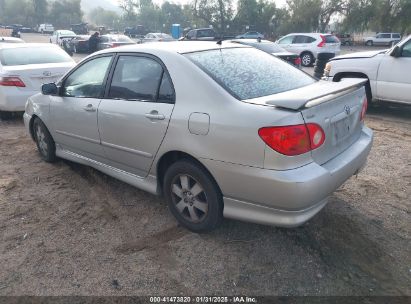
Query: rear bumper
x=13, y=99
x=286, y=198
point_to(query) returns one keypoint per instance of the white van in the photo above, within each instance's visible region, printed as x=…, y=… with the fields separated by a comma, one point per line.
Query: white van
x=45, y=28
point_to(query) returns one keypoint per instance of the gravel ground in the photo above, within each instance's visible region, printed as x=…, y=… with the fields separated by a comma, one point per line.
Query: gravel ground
x=66, y=229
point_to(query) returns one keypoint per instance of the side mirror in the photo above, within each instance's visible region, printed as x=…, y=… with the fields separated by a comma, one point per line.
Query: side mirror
x=396, y=52
x=49, y=89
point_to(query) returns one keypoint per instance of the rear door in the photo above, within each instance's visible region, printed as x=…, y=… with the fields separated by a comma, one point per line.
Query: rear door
x=394, y=79
x=135, y=113
x=74, y=112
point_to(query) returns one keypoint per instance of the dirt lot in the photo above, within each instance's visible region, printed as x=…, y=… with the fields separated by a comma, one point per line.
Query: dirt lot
x=67, y=229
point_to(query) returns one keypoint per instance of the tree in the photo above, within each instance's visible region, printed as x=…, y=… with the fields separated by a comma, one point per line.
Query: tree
x=100, y=16
x=217, y=13
x=304, y=15
x=40, y=11
x=65, y=12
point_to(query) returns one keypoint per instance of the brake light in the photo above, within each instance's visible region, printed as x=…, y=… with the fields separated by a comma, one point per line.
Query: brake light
x=11, y=82
x=364, y=109
x=113, y=45
x=293, y=140
x=322, y=43
x=297, y=61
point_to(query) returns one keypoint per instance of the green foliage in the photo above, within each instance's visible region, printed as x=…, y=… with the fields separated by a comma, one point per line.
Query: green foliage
x=100, y=16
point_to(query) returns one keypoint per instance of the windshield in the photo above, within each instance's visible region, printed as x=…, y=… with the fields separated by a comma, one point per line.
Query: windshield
x=68, y=33
x=33, y=55
x=248, y=73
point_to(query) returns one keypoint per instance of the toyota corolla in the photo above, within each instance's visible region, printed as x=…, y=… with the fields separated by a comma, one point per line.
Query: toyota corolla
x=219, y=129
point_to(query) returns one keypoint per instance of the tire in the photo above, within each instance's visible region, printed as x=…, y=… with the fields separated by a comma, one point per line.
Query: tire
x=369, y=43
x=44, y=141
x=5, y=115
x=307, y=59
x=193, y=197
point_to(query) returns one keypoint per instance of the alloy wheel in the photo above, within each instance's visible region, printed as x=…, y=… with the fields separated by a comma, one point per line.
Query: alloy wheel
x=306, y=60
x=189, y=198
x=41, y=140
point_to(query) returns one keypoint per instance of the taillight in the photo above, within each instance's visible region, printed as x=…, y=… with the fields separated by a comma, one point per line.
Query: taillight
x=11, y=82
x=297, y=61
x=293, y=140
x=322, y=43
x=364, y=109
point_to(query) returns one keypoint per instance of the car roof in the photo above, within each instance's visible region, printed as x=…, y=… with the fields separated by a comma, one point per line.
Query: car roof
x=26, y=45
x=251, y=41
x=10, y=39
x=177, y=47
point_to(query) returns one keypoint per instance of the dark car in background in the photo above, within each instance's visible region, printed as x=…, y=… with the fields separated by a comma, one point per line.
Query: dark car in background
x=80, y=28
x=79, y=44
x=202, y=34
x=346, y=39
x=135, y=32
x=111, y=41
x=273, y=49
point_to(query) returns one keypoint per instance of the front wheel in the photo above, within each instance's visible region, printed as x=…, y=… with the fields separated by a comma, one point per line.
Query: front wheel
x=307, y=59
x=193, y=196
x=44, y=141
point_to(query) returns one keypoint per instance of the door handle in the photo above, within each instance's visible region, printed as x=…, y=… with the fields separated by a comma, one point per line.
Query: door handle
x=89, y=108
x=154, y=115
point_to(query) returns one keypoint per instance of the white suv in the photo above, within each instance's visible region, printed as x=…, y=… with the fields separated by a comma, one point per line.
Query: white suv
x=45, y=28
x=390, y=39
x=309, y=45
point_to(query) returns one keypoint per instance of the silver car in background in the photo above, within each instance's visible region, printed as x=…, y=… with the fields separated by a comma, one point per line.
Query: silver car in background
x=309, y=45
x=24, y=68
x=218, y=130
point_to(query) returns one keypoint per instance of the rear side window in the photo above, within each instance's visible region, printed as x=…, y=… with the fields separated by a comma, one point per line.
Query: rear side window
x=249, y=73
x=303, y=39
x=136, y=78
x=397, y=36
x=331, y=39
x=33, y=55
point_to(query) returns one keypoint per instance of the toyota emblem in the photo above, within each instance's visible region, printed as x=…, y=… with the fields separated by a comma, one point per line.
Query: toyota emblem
x=347, y=110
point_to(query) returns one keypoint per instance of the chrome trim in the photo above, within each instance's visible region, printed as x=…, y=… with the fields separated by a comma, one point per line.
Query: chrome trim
x=94, y=141
x=132, y=151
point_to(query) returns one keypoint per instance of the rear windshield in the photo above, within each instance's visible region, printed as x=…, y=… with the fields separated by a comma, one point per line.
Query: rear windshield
x=248, y=73
x=121, y=39
x=331, y=39
x=33, y=55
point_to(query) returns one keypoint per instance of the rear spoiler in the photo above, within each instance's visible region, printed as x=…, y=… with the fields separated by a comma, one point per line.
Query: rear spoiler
x=312, y=95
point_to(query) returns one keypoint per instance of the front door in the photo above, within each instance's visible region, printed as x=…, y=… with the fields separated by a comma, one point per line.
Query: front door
x=74, y=111
x=134, y=116
x=394, y=78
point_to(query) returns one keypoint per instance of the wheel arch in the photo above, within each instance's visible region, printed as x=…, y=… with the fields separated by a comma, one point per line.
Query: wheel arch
x=337, y=77
x=169, y=158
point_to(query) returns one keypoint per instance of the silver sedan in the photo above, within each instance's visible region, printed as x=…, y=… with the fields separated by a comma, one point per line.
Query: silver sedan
x=220, y=130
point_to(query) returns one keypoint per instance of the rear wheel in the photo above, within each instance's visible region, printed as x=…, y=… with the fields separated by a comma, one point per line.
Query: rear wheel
x=44, y=141
x=369, y=43
x=193, y=197
x=307, y=59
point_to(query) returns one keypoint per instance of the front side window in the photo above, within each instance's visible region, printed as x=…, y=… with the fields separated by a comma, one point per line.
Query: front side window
x=88, y=80
x=248, y=73
x=386, y=36
x=136, y=78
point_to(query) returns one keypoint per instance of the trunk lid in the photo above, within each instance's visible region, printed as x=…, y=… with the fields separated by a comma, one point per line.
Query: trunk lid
x=35, y=75
x=335, y=106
